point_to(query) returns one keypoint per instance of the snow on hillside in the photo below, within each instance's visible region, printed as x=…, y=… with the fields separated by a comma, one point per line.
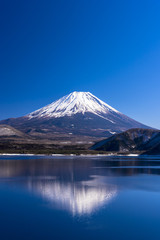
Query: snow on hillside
x=6, y=131
x=76, y=102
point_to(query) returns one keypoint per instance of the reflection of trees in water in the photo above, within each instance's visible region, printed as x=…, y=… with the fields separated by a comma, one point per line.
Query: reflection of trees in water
x=81, y=168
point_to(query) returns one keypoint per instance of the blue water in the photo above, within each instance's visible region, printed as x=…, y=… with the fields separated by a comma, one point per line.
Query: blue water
x=79, y=198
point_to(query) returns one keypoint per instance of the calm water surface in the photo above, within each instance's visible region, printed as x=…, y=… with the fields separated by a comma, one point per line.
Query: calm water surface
x=79, y=198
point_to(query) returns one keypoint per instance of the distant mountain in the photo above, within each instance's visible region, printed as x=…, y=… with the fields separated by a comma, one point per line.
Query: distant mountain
x=153, y=146
x=9, y=137
x=79, y=114
x=129, y=141
x=8, y=131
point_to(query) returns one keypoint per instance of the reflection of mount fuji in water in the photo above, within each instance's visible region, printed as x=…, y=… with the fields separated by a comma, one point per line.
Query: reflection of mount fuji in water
x=79, y=185
x=79, y=199
x=66, y=184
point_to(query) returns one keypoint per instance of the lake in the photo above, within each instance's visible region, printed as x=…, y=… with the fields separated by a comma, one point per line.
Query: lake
x=78, y=197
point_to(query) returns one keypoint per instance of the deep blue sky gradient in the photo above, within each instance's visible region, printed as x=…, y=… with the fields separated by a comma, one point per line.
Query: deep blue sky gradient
x=51, y=48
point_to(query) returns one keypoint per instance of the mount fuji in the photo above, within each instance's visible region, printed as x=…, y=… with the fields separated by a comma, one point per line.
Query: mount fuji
x=76, y=102
x=79, y=114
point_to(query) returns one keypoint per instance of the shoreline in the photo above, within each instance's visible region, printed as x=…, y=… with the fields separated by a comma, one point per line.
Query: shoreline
x=78, y=155
x=56, y=154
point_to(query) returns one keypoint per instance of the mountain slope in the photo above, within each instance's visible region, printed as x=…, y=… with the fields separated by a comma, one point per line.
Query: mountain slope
x=153, y=146
x=77, y=114
x=76, y=102
x=8, y=131
x=129, y=141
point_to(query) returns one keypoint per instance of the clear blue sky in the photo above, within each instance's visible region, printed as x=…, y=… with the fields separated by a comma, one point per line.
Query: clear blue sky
x=50, y=48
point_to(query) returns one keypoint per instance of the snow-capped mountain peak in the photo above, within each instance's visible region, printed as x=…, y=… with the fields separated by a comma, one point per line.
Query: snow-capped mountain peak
x=75, y=102
x=78, y=117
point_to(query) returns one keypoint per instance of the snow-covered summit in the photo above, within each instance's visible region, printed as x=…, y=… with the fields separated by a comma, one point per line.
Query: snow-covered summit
x=75, y=102
x=78, y=116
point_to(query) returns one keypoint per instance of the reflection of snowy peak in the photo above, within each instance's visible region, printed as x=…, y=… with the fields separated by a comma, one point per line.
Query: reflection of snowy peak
x=76, y=102
x=78, y=199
